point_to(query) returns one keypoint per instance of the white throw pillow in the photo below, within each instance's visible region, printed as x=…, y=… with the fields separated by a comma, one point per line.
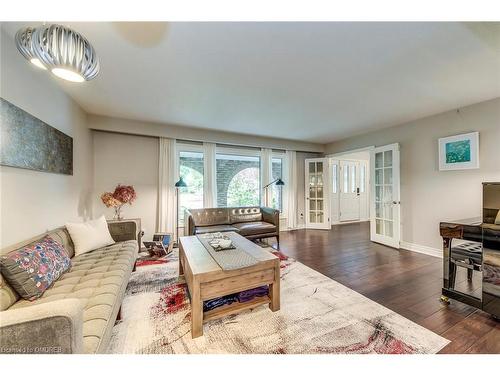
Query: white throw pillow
x=89, y=235
x=497, y=220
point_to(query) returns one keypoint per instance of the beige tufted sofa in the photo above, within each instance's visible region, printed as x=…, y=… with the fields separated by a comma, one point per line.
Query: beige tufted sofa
x=77, y=313
x=251, y=222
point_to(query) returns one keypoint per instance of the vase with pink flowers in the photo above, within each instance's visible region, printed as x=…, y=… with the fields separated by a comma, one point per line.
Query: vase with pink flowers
x=122, y=195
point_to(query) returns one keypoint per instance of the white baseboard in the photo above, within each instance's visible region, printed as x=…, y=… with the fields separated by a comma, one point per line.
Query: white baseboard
x=427, y=250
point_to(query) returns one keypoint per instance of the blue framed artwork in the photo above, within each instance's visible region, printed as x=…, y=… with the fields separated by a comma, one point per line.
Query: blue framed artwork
x=459, y=152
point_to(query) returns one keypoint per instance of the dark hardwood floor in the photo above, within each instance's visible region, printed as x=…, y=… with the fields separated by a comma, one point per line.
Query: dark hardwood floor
x=406, y=282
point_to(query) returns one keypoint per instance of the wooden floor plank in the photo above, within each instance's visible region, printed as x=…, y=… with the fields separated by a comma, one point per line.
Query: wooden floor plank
x=406, y=282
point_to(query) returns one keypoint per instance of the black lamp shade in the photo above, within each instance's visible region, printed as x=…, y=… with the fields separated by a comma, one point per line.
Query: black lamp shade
x=280, y=182
x=180, y=183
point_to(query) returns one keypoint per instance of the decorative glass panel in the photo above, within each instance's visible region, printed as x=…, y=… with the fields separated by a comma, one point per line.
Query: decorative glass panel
x=388, y=228
x=379, y=175
x=378, y=209
x=312, y=204
x=334, y=179
x=379, y=160
x=388, y=176
x=312, y=192
x=353, y=179
x=378, y=193
x=319, y=167
x=319, y=192
x=312, y=167
x=388, y=158
x=312, y=217
x=379, y=226
x=362, y=178
x=346, y=178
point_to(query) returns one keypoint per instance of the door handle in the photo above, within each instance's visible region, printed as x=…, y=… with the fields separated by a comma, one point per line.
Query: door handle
x=357, y=191
x=396, y=202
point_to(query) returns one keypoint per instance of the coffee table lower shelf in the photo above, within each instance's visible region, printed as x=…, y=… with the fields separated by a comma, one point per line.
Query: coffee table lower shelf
x=235, y=308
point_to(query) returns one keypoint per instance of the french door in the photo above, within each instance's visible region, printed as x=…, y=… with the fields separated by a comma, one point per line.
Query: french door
x=317, y=194
x=385, y=192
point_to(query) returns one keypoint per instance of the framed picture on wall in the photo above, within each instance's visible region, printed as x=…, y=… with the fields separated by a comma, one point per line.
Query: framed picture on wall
x=459, y=152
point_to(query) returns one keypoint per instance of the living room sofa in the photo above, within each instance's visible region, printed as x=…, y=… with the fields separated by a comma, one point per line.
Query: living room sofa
x=251, y=222
x=77, y=313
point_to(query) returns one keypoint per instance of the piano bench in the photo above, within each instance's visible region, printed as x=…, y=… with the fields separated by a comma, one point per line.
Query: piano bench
x=467, y=255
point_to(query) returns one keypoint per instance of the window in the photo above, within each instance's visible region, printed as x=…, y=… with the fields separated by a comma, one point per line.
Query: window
x=277, y=191
x=191, y=170
x=238, y=180
x=353, y=179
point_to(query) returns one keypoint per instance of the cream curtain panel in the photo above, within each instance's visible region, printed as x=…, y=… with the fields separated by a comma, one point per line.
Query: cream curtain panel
x=266, y=167
x=167, y=205
x=210, y=173
x=291, y=186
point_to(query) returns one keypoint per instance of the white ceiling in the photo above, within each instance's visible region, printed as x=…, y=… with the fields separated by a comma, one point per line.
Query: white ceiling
x=315, y=82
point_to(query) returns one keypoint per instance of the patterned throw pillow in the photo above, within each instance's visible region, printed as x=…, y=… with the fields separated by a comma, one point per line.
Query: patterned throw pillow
x=33, y=269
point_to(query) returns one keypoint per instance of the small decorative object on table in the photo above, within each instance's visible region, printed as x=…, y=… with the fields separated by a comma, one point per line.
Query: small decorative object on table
x=123, y=194
x=161, y=245
x=220, y=242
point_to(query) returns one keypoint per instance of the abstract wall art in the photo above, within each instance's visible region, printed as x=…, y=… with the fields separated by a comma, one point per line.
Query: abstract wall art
x=29, y=143
x=459, y=152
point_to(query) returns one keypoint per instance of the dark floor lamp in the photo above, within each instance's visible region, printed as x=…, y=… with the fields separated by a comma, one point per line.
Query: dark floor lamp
x=179, y=184
x=278, y=181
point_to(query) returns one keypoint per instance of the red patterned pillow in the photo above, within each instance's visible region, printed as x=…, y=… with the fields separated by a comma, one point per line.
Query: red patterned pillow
x=33, y=269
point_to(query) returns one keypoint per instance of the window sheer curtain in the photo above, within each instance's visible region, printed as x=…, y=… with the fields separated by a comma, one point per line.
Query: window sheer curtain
x=167, y=172
x=210, y=173
x=291, y=186
x=266, y=168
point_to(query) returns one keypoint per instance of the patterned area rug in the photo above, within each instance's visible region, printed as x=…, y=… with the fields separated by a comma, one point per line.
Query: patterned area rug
x=318, y=315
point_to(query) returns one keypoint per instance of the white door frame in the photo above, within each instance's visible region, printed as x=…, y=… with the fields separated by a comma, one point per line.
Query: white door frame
x=393, y=241
x=326, y=194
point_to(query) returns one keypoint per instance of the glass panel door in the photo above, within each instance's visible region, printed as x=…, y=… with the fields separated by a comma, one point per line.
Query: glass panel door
x=317, y=203
x=385, y=222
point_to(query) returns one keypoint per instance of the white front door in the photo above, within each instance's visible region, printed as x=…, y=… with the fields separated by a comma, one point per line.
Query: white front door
x=349, y=190
x=385, y=193
x=317, y=193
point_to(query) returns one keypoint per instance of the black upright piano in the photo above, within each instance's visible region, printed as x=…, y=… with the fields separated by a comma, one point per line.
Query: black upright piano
x=474, y=245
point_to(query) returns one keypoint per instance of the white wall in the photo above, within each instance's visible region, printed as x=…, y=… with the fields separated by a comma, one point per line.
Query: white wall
x=128, y=160
x=33, y=202
x=429, y=196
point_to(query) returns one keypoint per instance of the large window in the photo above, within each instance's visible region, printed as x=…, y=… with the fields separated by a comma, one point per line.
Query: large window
x=191, y=170
x=238, y=180
x=277, y=191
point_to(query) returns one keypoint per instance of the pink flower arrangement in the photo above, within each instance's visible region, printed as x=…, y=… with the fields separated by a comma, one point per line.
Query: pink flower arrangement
x=123, y=194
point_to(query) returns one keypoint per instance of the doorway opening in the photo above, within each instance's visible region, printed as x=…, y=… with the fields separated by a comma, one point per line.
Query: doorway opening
x=364, y=185
x=350, y=187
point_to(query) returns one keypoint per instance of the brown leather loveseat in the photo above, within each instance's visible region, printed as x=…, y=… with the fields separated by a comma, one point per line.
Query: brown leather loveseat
x=251, y=222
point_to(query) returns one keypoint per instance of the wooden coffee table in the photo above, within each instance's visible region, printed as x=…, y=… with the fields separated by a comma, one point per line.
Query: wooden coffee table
x=206, y=280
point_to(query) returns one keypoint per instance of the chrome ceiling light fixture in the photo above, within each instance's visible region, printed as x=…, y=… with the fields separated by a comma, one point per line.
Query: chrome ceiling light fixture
x=65, y=52
x=25, y=46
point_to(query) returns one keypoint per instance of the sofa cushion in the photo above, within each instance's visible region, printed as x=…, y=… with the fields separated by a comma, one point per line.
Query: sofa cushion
x=31, y=270
x=216, y=228
x=90, y=235
x=256, y=227
x=99, y=278
x=244, y=214
x=206, y=217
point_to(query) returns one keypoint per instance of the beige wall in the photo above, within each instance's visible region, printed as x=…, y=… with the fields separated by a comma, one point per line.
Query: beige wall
x=128, y=160
x=33, y=202
x=154, y=129
x=429, y=196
